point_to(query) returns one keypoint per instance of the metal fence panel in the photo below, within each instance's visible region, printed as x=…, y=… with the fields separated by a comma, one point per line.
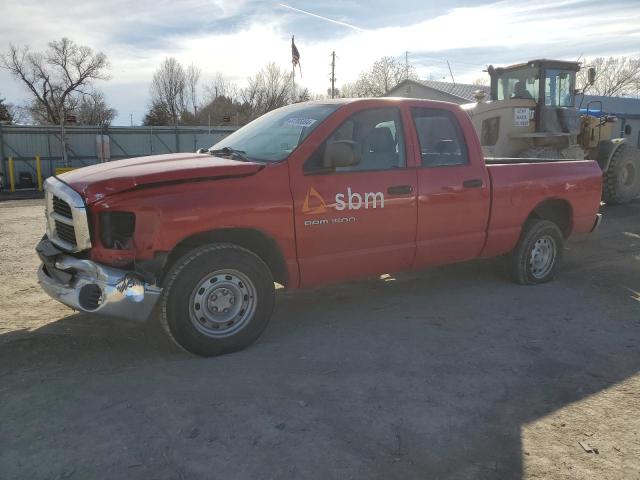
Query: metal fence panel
x=23, y=143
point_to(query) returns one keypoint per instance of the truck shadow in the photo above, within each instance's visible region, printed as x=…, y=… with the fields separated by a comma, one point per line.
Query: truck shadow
x=426, y=375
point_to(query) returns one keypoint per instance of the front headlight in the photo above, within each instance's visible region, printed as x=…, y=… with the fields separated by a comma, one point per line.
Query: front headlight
x=116, y=230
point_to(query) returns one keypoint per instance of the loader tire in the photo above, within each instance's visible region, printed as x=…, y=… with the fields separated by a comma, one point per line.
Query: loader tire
x=621, y=182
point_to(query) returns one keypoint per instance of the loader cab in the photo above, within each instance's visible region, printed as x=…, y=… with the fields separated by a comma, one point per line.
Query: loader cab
x=550, y=83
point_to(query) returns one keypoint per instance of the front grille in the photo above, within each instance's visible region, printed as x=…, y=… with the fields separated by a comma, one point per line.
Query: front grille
x=61, y=207
x=66, y=232
x=67, y=220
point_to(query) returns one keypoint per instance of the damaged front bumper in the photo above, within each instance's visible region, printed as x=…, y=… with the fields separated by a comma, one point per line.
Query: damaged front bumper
x=94, y=288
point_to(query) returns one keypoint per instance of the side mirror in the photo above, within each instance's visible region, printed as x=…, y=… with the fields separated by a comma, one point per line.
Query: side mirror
x=340, y=153
x=591, y=75
x=202, y=150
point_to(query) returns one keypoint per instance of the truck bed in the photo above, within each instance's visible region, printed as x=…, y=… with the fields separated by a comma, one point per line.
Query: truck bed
x=519, y=186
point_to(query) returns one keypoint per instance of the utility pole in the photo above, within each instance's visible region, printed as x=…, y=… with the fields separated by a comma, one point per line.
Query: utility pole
x=406, y=65
x=131, y=117
x=333, y=74
x=62, y=135
x=451, y=73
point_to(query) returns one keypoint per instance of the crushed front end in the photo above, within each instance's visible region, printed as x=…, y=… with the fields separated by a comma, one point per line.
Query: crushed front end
x=67, y=273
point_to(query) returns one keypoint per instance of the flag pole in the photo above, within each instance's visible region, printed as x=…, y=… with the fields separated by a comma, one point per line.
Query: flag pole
x=295, y=60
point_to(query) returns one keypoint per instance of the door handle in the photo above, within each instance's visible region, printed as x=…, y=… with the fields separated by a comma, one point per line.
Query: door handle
x=475, y=183
x=399, y=189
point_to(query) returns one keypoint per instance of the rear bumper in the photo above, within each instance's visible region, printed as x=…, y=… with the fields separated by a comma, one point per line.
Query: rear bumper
x=90, y=287
x=596, y=224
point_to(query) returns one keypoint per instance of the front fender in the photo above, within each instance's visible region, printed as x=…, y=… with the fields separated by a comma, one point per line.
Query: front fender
x=606, y=150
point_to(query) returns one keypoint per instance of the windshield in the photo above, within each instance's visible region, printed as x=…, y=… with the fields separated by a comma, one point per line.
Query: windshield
x=558, y=88
x=273, y=136
x=521, y=83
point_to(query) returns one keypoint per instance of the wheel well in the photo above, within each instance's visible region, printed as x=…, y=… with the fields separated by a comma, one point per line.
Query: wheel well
x=606, y=150
x=556, y=211
x=253, y=240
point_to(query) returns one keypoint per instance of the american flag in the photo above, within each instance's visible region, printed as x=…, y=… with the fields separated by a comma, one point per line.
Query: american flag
x=295, y=55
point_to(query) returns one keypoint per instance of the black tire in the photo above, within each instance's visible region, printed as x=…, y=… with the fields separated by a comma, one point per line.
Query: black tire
x=621, y=182
x=524, y=266
x=201, y=268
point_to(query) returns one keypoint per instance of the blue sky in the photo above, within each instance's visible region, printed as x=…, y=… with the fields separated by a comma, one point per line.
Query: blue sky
x=238, y=37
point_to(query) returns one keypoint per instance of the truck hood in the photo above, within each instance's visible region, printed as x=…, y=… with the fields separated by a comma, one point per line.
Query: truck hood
x=99, y=181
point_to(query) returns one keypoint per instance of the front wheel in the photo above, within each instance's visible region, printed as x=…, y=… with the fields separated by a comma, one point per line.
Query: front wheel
x=537, y=254
x=217, y=299
x=621, y=182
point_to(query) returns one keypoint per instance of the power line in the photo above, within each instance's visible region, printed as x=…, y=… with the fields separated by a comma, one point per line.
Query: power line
x=444, y=60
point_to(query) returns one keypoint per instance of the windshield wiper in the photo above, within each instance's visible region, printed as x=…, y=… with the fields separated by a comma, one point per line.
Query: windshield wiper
x=231, y=152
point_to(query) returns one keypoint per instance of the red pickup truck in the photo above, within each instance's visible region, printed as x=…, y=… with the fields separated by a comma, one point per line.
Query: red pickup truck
x=305, y=195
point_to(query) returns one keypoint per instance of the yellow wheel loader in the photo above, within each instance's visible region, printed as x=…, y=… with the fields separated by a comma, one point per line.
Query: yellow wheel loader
x=533, y=114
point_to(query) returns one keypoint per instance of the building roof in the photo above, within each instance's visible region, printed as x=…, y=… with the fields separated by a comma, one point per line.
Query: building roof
x=611, y=105
x=463, y=91
x=548, y=63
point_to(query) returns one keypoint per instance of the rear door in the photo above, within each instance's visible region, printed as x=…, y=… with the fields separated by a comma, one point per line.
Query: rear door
x=360, y=220
x=453, y=188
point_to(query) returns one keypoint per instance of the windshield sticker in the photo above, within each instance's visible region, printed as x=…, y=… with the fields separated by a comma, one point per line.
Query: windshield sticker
x=300, y=122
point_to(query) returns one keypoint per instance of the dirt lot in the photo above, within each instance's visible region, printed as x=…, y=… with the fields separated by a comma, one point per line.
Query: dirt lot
x=450, y=373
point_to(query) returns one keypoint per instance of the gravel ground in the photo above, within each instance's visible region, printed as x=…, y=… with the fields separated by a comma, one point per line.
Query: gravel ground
x=449, y=373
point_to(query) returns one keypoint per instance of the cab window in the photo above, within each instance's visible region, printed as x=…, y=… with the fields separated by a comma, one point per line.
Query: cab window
x=558, y=88
x=441, y=141
x=377, y=139
x=522, y=83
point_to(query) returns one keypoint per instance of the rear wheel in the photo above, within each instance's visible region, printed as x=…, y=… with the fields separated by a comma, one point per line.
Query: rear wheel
x=538, y=253
x=217, y=299
x=621, y=182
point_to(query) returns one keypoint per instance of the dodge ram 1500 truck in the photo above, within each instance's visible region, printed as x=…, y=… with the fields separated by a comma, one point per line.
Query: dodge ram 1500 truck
x=305, y=195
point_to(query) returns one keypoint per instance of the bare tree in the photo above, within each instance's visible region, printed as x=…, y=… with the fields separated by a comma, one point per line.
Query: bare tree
x=93, y=110
x=223, y=103
x=615, y=76
x=20, y=114
x=169, y=88
x=303, y=96
x=193, y=77
x=269, y=89
x=221, y=87
x=481, y=82
x=57, y=77
x=6, y=115
x=157, y=115
x=383, y=75
x=348, y=90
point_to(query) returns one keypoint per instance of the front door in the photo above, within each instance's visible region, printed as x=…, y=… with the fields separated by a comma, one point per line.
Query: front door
x=359, y=220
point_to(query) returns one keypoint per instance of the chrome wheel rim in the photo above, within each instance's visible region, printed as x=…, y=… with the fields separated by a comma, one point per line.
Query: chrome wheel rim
x=543, y=256
x=222, y=303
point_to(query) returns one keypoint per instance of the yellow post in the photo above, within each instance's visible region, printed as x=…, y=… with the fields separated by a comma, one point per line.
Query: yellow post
x=39, y=172
x=12, y=180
